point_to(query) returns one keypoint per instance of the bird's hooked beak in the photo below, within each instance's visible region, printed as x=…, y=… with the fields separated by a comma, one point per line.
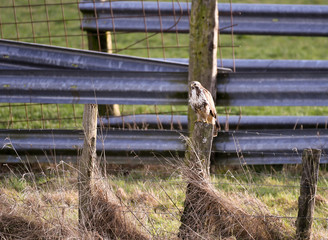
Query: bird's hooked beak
x=192, y=86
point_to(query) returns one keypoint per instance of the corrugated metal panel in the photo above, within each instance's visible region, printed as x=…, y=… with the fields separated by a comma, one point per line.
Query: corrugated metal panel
x=98, y=87
x=56, y=145
x=273, y=89
x=268, y=146
x=23, y=56
x=260, y=19
x=159, y=146
x=36, y=56
x=269, y=65
x=161, y=88
x=180, y=122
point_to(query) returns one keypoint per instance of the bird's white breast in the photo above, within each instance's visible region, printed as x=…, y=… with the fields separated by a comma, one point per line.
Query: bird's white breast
x=195, y=100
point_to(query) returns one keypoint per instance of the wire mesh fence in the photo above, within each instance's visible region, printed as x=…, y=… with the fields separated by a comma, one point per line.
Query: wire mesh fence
x=44, y=22
x=60, y=23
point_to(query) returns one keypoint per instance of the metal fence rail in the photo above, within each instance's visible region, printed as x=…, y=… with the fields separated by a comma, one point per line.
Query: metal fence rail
x=159, y=146
x=265, y=65
x=272, y=89
x=180, y=122
x=161, y=88
x=23, y=56
x=98, y=87
x=17, y=55
x=151, y=84
x=259, y=19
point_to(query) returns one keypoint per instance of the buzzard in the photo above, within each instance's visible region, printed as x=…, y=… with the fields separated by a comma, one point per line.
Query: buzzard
x=201, y=101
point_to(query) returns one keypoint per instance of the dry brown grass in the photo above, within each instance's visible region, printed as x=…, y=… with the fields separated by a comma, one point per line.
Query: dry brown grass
x=27, y=216
x=51, y=213
x=109, y=217
x=17, y=227
x=213, y=214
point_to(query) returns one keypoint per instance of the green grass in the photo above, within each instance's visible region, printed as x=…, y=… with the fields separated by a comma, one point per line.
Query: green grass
x=45, y=22
x=60, y=26
x=40, y=116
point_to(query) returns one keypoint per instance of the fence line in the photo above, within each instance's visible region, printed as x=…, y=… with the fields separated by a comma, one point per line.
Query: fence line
x=38, y=56
x=162, y=146
x=152, y=121
x=259, y=19
x=161, y=88
x=18, y=55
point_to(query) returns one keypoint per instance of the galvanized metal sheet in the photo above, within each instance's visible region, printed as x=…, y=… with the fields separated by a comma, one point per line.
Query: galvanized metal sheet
x=158, y=147
x=98, y=87
x=273, y=89
x=260, y=19
x=269, y=147
x=269, y=65
x=23, y=56
x=160, y=88
x=180, y=122
x=57, y=145
x=36, y=56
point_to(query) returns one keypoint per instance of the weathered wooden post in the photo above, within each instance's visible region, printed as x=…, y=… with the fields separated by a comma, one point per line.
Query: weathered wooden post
x=88, y=164
x=203, y=38
x=198, y=161
x=87, y=161
x=306, y=200
x=199, y=153
x=203, y=68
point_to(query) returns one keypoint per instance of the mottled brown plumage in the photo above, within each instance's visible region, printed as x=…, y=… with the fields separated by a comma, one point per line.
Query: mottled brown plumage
x=201, y=101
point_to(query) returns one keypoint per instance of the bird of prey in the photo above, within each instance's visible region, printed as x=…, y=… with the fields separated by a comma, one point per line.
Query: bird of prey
x=201, y=101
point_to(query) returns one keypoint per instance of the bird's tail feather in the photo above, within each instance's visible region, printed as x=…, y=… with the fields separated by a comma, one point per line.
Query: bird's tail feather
x=216, y=129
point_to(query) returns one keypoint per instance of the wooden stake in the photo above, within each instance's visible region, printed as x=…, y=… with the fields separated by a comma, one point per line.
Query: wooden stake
x=203, y=68
x=199, y=153
x=203, y=39
x=197, y=159
x=102, y=41
x=306, y=200
x=87, y=161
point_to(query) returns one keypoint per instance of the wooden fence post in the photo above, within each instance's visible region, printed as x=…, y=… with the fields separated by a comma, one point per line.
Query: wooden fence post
x=198, y=159
x=306, y=200
x=87, y=161
x=203, y=68
x=102, y=41
x=200, y=148
x=203, y=38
